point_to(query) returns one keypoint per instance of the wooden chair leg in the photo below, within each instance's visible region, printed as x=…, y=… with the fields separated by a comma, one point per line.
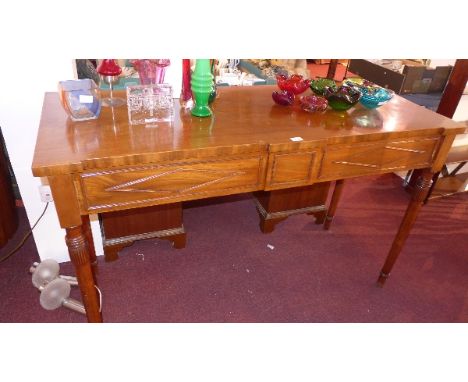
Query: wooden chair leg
x=332, y=69
x=334, y=203
x=434, y=181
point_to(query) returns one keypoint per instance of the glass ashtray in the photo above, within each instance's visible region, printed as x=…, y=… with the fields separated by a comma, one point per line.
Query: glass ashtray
x=80, y=99
x=149, y=104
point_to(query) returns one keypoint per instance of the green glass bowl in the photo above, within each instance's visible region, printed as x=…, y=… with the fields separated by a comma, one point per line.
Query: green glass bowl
x=318, y=86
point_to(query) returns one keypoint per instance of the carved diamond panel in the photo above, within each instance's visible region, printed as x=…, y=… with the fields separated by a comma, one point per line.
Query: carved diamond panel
x=150, y=185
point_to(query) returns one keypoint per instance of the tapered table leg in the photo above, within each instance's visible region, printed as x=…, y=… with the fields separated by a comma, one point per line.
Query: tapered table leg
x=79, y=250
x=334, y=203
x=420, y=191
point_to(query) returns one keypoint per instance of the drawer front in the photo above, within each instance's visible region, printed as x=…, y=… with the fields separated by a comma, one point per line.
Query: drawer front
x=292, y=169
x=160, y=184
x=343, y=161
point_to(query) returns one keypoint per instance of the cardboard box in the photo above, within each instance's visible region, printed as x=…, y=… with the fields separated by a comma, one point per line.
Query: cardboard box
x=414, y=77
x=419, y=79
x=440, y=78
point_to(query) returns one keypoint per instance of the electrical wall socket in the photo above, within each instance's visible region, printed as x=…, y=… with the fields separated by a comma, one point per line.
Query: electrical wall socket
x=46, y=193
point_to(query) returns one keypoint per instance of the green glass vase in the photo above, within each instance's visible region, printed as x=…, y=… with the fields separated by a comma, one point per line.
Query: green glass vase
x=202, y=86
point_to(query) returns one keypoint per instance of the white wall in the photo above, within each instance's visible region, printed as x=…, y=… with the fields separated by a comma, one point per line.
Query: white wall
x=20, y=114
x=19, y=118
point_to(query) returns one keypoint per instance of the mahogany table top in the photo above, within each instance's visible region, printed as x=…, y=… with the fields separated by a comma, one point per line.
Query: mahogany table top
x=244, y=119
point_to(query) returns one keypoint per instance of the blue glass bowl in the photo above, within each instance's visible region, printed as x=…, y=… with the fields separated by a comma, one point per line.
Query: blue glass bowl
x=374, y=97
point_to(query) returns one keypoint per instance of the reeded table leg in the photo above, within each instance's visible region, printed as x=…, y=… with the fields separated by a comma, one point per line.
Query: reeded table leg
x=89, y=238
x=420, y=191
x=79, y=250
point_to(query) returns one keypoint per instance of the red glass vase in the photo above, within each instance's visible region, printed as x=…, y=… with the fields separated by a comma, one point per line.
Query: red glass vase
x=151, y=71
x=186, y=97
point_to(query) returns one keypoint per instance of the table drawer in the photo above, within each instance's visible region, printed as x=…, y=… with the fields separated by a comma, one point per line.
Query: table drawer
x=160, y=184
x=292, y=169
x=343, y=161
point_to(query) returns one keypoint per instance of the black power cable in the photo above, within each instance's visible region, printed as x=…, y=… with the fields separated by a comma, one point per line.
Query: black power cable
x=23, y=240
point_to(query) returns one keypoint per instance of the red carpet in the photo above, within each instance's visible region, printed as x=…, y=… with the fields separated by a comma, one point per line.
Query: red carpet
x=228, y=274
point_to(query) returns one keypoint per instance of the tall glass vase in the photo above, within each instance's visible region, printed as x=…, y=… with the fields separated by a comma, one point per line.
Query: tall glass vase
x=186, y=98
x=151, y=71
x=202, y=86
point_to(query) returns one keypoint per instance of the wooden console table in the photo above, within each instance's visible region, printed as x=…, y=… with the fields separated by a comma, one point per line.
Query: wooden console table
x=107, y=165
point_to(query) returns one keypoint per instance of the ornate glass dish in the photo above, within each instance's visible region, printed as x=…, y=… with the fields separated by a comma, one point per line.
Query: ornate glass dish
x=342, y=98
x=313, y=103
x=318, y=86
x=359, y=82
x=283, y=97
x=375, y=97
x=294, y=84
x=149, y=104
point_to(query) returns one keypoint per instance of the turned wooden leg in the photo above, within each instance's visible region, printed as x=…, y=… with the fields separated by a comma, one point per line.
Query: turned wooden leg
x=334, y=203
x=89, y=238
x=332, y=69
x=420, y=191
x=78, y=248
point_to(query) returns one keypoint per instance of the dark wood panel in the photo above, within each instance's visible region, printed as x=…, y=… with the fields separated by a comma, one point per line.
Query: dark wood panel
x=8, y=213
x=454, y=89
x=141, y=220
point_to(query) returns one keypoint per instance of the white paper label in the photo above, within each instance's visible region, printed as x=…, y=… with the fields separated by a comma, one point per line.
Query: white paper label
x=296, y=139
x=86, y=98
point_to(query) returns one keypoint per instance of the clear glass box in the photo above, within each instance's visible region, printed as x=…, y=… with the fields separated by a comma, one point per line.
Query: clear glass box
x=149, y=104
